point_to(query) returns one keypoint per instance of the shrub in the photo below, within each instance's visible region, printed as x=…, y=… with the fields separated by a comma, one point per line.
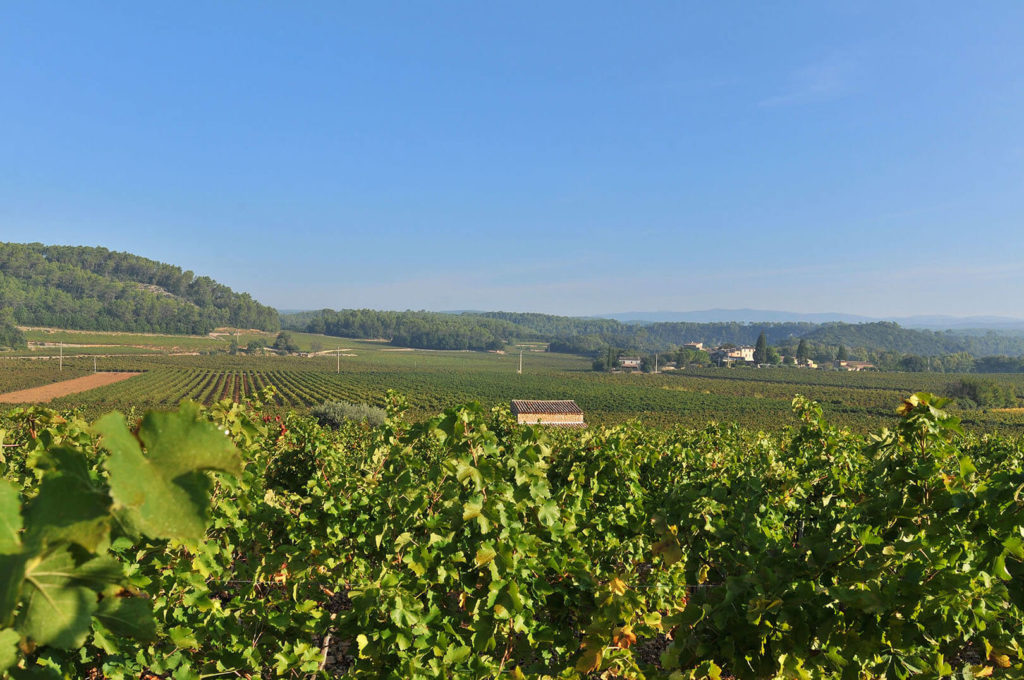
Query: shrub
x=336, y=413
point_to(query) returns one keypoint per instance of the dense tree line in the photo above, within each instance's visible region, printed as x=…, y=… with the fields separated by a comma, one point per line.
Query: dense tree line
x=10, y=336
x=426, y=330
x=887, y=345
x=982, y=393
x=889, y=336
x=98, y=289
x=588, y=335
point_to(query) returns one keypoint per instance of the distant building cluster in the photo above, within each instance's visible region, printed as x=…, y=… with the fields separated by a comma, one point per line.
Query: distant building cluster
x=730, y=355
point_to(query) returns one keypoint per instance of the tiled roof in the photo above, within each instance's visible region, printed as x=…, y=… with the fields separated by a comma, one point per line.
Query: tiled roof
x=562, y=406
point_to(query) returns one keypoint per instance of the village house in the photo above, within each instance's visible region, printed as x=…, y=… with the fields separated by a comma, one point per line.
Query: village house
x=560, y=413
x=742, y=353
x=630, y=362
x=723, y=356
x=694, y=345
x=845, y=365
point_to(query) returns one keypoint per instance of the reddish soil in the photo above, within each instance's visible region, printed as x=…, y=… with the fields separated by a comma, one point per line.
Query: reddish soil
x=38, y=395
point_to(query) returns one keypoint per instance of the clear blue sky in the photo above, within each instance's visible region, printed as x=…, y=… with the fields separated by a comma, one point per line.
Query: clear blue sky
x=863, y=157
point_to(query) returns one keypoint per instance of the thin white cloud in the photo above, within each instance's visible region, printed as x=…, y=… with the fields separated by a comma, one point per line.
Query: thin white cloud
x=826, y=80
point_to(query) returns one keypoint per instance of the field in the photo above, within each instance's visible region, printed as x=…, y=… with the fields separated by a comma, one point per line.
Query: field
x=171, y=369
x=46, y=393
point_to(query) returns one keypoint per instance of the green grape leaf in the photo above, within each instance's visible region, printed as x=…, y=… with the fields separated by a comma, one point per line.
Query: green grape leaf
x=548, y=513
x=59, y=597
x=183, y=637
x=69, y=507
x=12, y=574
x=10, y=519
x=485, y=554
x=128, y=616
x=456, y=655
x=9, y=639
x=165, y=494
x=472, y=508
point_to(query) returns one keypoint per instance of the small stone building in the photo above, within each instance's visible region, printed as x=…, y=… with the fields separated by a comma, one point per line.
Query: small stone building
x=560, y=413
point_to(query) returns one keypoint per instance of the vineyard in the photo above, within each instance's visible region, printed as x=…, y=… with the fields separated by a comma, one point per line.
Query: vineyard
x=363, y=372
x=234, y=542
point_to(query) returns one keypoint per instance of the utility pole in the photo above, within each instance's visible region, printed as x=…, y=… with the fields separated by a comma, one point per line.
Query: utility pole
x=655, y=362
x=61, y=364
x=94, y=364
x=338, y=353
x=520, y=371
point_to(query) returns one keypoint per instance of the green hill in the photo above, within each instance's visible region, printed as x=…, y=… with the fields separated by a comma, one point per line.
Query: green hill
x=492, y=330
x=98, y=289
x=889, y=336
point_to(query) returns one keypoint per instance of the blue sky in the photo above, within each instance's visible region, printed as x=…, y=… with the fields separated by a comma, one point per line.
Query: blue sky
x=576, y=158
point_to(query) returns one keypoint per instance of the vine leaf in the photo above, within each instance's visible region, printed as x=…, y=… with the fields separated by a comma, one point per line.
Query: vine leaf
x=12, y=573
x=9, y=639
x=165, y=494
x=485, y=554
x=10, y=519
x=129, y=616
x=548, y=513
x=69, y=507
x=59, y=597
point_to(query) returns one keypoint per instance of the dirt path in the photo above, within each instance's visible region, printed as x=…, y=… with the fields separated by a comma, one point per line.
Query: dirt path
x=38, y=395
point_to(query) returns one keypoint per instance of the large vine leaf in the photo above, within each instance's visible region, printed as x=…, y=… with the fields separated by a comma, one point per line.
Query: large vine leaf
x=164, y=493
x=69, y=506
x=59, y=597
x=10, y=519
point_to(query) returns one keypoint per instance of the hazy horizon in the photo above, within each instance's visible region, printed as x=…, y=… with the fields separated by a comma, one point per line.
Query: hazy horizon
x=569, y=159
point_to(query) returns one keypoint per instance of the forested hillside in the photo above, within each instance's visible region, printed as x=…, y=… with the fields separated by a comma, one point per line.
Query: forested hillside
x=581, y=335
x=98, y=289
x=888, y=336
x=427, y=330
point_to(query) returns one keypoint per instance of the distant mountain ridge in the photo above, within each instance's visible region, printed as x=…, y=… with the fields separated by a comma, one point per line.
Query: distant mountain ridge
x=88, y=288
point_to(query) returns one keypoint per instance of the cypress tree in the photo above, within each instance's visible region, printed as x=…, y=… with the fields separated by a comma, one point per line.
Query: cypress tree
x=802, y=351
x=761, y=349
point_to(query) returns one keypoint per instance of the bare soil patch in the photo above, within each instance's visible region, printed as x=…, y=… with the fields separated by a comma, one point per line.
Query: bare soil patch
x=38, y=395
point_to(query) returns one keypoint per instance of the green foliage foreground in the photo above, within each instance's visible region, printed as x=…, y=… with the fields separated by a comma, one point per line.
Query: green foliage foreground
x=221, y=542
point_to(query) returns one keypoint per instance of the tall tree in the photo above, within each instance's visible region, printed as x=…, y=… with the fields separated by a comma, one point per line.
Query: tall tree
x=761, y=349
x=803, y=352
x=841, y=354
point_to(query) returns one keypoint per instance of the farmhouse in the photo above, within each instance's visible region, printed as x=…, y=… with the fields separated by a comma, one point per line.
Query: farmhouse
x=722, y=356
x=630, y=362
x=844, y=365
x=742, y=353
x=561, y=413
